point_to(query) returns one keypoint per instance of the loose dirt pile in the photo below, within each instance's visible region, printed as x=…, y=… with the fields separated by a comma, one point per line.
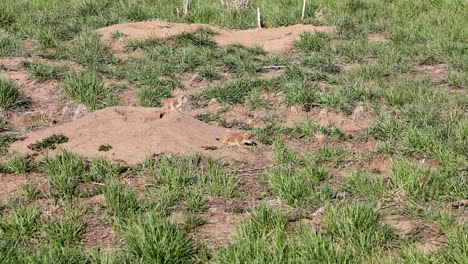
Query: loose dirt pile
x=271, y=39
x=135, y=133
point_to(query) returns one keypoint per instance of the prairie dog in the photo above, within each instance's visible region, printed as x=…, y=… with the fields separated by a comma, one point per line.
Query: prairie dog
x=172, y=104
x=237, y=139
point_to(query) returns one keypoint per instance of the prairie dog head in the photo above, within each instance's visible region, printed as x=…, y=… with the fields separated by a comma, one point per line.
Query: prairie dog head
x=182, y=99
x=247, y=138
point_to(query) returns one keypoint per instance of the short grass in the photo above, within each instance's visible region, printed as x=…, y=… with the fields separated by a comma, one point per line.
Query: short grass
x=419, y=124
x=88, y=88
x=44, y=72
x=10, y=95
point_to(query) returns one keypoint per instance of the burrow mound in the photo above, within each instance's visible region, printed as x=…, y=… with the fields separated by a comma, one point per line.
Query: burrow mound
x=136, y=133
x=271, y=39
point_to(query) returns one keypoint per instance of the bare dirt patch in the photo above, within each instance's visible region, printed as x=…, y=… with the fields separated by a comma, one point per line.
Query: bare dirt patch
x=271, y=39
x=43, y=99
x=351, y=124
x=431, y=239
x=376, y=37
x=9, y=184
x=219, y=228
x=245, y=115
x=98, y=234
x=437, y=72
x=402, y=224
x=136, y=133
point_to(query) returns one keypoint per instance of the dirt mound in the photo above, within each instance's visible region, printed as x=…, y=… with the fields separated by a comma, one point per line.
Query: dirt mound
x=271, y=39
x=135, y=133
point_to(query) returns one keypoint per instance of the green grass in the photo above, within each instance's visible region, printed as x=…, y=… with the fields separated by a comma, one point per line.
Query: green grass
x=296, y=180
x=356, y=227
x=10, y=95
x=65, y=232
x=44, y=72
x=89, y=50
x=196, y=202
x=313, y=41
x=64, y=172
x=414, y=119
x=88, y=88
x=153, y=239
x=218, y=182
x=10, y=45
x=48, y=142
x=17, y=164
x=19, y=225
x=29, y=191
x=120, y=199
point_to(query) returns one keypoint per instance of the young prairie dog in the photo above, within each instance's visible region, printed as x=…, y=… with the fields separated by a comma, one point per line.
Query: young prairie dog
x=237, y=139
x=172, y=104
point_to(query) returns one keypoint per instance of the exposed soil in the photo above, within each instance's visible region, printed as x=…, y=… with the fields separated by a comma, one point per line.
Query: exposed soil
x=219, y=228
x=271, y=39
x=437, y=72
x=9, y=184
x=430, y=238
x=376, y=37
x=402, y=224
x=136, y=133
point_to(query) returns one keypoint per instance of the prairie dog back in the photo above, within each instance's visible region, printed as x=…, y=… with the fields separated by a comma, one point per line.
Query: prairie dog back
x=176, y=103
x=237, y=139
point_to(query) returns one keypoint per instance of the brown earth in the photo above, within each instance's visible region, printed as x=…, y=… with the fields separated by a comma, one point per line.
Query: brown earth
x=271, y=39
x=136, y=133
x=9, y=184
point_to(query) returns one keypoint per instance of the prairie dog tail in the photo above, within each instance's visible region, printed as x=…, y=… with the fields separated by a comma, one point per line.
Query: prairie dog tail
x=218, y=139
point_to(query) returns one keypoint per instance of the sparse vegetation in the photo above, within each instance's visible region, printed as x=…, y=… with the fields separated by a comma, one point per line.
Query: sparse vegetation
x=49, y=142
x=88, y=88
x=10, y=95
x=105, y=147
x=44, y=72
x=395, y=71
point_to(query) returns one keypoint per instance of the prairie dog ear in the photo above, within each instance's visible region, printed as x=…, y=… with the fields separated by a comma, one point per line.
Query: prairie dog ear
x=246, y=135
x=182, y=98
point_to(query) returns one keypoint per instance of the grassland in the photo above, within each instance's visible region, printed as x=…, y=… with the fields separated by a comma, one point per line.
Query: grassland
x=416, y=170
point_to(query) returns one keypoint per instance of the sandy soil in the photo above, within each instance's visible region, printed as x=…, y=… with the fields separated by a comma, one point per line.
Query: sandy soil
x=136, y=133
x=271, y=39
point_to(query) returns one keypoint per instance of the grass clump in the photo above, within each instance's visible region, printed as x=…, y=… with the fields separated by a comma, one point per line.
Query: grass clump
x=218, y=182
x=361, y=184
x=90, y=51
x=29, y=191
x=10, y=95
x=296, y=185
x=153, y=239
x=120, y=199
x=87, y=88
x=313, y=41
x=44, y=72
x=101, y=169
x=105, y=147
x=9, y=44
x=152, y=96
x=196, y=202
x=65, y=232
x=16, y=164
x=20, y=225
x=64, y=172
x=356, y=227
x=49, y=142
x=422, y=182
x=176, y=173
